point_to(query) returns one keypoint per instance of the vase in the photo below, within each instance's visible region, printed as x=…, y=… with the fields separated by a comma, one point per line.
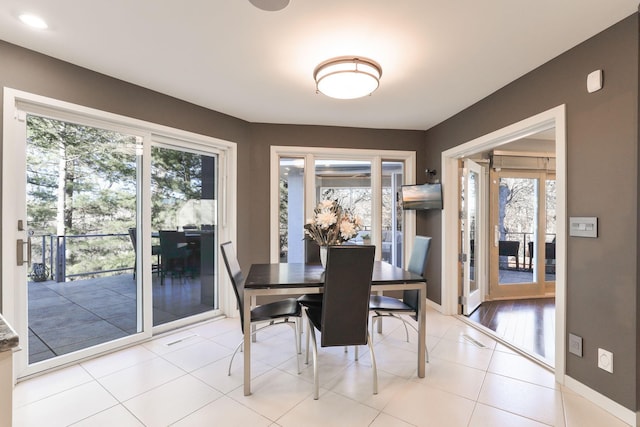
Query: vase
x=323, y=256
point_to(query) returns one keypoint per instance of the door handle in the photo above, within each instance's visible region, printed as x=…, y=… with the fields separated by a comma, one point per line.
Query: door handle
x=20, y=244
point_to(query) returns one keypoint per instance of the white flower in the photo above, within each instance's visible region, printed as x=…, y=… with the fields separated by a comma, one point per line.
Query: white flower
x=347, y=230
x=326, y=219
x=311, y=221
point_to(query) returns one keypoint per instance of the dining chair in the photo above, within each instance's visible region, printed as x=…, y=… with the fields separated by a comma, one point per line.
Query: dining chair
x=342, y=318
x=155, y=251
x=386, y=306
x=271, y=312
x=175, y=253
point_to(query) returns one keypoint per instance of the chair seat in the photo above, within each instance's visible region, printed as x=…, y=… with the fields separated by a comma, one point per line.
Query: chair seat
x=311, y=300
x=383, y=303
x=275, y=310
x=314, y=314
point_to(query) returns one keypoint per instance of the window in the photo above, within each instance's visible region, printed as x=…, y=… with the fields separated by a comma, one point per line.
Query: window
x=364, y=181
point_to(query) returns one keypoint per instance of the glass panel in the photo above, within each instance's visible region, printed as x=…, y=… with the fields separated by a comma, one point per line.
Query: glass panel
x=349, y=183
x=183, y=221
x=291, y=210
x=392, y=225
x=517, y=228
x=550, y=236
x=472, y=213
x=81, y=202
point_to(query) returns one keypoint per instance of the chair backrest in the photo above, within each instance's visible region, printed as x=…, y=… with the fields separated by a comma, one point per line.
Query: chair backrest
x=169, y=240
x=417, y=265
x=346, y=292
x=132, y=236
x=235, y=274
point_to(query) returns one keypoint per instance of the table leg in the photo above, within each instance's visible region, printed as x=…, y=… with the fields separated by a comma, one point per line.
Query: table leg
x=247, y=344
x=422, y=328
x=380, y=319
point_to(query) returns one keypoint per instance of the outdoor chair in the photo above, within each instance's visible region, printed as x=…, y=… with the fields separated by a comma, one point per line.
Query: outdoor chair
x=155, y=251
x=175, y=254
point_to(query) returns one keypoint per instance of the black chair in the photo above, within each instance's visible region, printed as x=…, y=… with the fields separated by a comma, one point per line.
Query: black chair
x=278, y=310
x=155, y=251
x=342, y=318
x=510, y=248
x=175, y=253
x=549, y=252
x=385, y=306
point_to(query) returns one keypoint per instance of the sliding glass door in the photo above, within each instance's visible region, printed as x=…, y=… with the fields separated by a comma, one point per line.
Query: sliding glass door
x=183, y=226
x=110, y=229
x=81, y=196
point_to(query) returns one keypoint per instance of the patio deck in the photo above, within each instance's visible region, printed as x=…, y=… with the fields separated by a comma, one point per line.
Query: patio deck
x=65, y=317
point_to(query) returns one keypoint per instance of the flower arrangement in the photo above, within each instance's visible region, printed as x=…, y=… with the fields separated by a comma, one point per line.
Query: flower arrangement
x=331, y=224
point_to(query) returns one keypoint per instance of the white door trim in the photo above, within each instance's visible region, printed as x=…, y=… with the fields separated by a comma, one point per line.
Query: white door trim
x=553, y=118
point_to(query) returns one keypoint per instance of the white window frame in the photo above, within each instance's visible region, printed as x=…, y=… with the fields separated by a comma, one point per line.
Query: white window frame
x=16, y=105
x=310, y=154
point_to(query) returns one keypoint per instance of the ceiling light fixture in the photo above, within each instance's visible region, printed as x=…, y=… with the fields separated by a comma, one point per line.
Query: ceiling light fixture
x=347, y=77
x=270, y=5
x=33, y=21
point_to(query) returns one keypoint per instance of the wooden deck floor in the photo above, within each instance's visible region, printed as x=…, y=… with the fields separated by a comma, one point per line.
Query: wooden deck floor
x=528, y=324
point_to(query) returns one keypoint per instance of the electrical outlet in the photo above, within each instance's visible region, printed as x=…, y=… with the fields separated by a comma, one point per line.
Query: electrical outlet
x=605, y=360
x=575, y=345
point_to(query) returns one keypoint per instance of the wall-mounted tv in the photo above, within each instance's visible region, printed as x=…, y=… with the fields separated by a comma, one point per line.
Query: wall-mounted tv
x=423, y=196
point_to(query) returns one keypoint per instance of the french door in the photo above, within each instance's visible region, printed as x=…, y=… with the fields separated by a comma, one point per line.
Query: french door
x=472, y=232
x=86, y=203
x=523, y=234
x=364, y=181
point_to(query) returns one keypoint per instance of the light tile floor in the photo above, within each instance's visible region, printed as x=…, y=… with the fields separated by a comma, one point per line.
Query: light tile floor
x=181, y=379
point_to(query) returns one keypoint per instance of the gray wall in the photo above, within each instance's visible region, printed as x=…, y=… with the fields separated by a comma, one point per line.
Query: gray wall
x=602, y=165
x=32, y=72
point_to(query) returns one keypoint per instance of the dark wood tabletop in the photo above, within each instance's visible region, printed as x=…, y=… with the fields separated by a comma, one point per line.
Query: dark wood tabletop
x=299, y=275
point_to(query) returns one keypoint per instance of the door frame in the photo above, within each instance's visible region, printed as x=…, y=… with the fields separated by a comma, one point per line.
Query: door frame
x=552, y=118
x=472, y=300
x=13, y=301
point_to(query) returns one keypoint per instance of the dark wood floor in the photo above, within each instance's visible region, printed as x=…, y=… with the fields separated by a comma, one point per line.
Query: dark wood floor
x=528, y=324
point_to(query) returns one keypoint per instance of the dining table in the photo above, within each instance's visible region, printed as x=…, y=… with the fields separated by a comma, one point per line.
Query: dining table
x=289, y=279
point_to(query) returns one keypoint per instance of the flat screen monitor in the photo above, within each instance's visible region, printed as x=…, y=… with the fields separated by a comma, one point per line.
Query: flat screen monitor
x=423, y=196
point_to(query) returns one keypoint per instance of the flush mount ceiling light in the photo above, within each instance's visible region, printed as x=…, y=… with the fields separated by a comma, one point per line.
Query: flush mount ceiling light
x=270, y=5
x=33, y=21
x=347, y=77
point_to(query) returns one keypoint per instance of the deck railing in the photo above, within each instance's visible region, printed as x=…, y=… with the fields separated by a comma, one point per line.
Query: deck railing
x=53, y=254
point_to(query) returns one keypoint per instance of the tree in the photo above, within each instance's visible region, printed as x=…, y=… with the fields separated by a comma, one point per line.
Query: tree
x=81, y=180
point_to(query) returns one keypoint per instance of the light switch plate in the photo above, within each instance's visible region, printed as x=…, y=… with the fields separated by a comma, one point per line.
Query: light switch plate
x=583, y=226
x=575, y=345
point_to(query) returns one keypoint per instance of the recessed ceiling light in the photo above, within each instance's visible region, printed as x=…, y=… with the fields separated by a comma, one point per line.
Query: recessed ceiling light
x=33, y=21
x=270, y=5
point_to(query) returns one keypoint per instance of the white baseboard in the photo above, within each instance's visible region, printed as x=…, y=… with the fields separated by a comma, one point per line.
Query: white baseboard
x=435, y=306
x=614, y=408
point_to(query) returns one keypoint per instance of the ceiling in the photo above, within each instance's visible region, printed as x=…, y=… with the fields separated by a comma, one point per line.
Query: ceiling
x=438, y=57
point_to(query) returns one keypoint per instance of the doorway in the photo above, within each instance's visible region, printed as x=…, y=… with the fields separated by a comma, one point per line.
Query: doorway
x=552, y=120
